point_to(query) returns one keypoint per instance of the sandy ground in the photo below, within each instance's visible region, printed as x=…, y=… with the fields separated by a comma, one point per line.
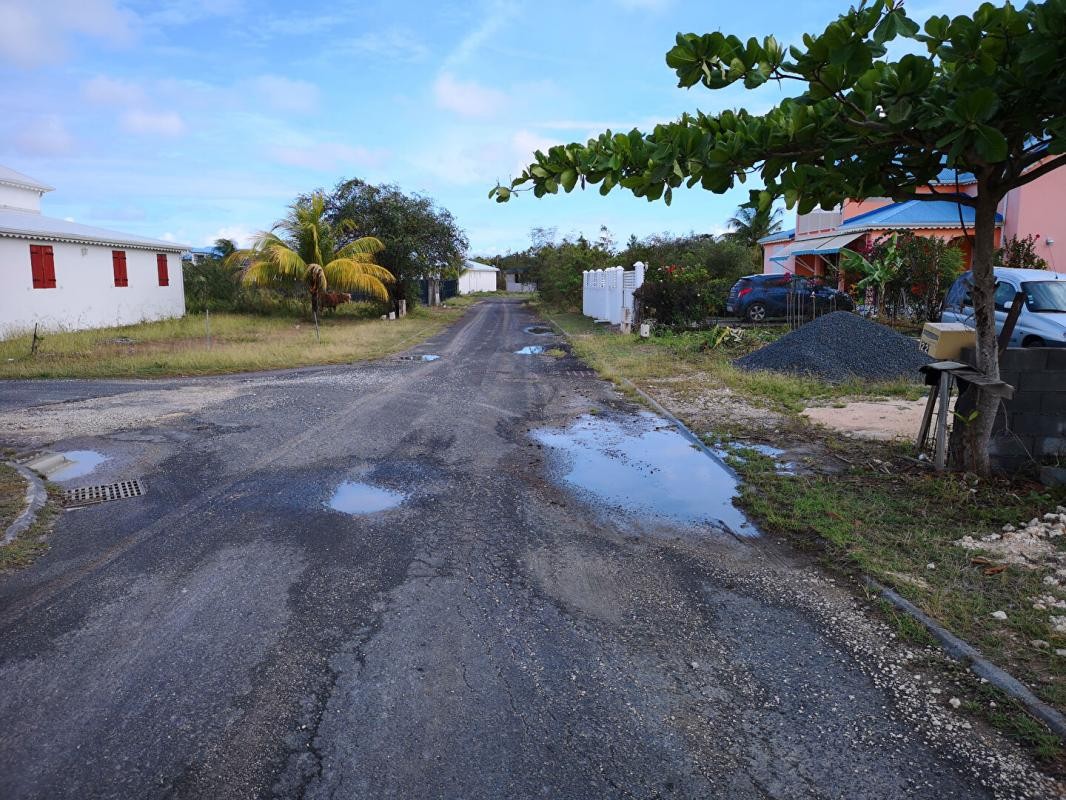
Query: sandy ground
x=879, y=420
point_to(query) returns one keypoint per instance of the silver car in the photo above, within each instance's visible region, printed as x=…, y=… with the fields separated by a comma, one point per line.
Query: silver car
x=1043, y=319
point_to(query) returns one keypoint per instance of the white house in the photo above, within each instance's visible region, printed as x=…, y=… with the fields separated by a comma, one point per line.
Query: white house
x=477, y=277
x=66, y=276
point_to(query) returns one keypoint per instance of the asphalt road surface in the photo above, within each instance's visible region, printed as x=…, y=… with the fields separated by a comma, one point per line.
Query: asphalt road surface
x=500, y=633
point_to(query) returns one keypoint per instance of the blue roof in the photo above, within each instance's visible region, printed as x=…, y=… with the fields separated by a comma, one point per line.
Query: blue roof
x=915, y=214
x=780, y=236
x=947, y=176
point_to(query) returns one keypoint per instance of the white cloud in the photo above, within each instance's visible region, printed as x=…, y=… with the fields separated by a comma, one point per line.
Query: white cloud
x=163, y=123
x=467, y=98
x=325, y=156
x=462, y=158
x=241, y=234
x=104, y=91
x=497, y=15
x=47, y=136
x=34, y=34
x=391, y=44
x=286, y=94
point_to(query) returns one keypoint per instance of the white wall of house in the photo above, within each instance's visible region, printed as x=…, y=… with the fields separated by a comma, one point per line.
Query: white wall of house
x=85, y=295
x=20, y=197
x=476, y=280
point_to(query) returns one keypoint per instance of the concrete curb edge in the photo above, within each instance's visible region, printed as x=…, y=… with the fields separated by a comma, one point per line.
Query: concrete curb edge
x=969, y=656
x=36, y=497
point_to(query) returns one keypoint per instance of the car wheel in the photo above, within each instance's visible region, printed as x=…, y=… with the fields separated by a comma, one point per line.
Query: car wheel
x=756, y=312
x=1033, y=341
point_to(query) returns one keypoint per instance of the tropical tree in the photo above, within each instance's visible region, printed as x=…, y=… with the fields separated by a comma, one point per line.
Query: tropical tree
x=988, y=97
x=748, y=225
x=305, y=248
x=421, y=239
x=877, y=274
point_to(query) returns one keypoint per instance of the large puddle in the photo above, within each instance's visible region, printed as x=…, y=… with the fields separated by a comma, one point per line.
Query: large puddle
x=352, y=497
x=530, y=350
x=641, y=465
x=82, y=463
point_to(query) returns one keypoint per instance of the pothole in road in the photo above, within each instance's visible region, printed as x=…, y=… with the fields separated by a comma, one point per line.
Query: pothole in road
x=67, y=465
x=538, y=330
x=641, y=465
x=430, y=358
x=426, y=357
x=530, y=350
x=353, y=497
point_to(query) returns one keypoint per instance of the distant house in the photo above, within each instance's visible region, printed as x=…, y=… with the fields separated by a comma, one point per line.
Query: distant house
x=515, y=281
x=198, y=255
x=67, y=276
x=477, y=277
x=814, y=244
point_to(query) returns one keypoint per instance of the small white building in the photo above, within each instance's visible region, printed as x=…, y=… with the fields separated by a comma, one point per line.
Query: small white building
x=66, y=276
x=477, y=277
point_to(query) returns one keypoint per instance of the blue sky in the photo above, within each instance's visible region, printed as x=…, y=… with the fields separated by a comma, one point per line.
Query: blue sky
x=198, y=119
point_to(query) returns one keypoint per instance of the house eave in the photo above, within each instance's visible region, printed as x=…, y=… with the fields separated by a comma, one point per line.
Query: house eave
x=43, y=236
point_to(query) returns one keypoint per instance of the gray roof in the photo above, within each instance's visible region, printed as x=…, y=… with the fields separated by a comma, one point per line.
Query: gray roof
x=14, y=178
x=31, y=225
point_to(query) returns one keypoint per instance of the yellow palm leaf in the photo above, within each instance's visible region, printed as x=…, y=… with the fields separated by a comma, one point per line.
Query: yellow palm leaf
x=353, y=276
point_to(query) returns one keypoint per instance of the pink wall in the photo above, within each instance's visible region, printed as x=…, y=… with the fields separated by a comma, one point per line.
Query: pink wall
x=852, y=208
x=1039, y=208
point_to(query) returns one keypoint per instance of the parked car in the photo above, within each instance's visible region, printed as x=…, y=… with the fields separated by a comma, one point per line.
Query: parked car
x=1042, y=322
x=756, y=297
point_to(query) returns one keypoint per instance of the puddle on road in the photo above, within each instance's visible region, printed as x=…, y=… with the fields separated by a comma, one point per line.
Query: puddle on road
x=538, y=330
x=83, y=462
x=642, y=465
x=530, y=350
x=430, y=358
x=353, y=497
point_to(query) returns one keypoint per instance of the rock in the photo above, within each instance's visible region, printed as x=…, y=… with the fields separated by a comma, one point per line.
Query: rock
x=930, y=565
x=1000, y=615
x=955, y=702
x=1040, y=644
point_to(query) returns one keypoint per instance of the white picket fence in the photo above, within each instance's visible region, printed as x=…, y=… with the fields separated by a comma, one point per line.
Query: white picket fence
x=607, y=294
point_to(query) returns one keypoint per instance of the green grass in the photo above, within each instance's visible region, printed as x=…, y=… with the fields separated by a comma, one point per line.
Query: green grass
x=237, y=343
x=32, y=542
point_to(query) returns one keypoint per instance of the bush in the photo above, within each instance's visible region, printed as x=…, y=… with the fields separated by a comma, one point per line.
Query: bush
x=927, y=267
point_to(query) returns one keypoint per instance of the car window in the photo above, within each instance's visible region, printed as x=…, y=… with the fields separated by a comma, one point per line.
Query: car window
x=1045, y=296
x=1004, y=296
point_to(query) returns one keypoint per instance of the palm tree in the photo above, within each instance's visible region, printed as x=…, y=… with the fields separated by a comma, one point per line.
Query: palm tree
x=749, y=225
x=304, y=247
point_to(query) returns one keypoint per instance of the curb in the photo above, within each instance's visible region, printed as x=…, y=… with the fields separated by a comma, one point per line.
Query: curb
x=36, y=496
x=970, y=657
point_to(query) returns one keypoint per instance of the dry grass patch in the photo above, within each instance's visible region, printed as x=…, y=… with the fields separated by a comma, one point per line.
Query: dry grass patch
x=237, y=343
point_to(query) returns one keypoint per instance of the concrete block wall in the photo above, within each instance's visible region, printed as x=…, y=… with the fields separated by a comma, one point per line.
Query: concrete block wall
x=1032, y=424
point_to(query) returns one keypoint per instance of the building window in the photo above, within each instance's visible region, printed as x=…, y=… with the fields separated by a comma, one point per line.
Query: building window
x=118, y=262
x=43, y=266
x=161, y=268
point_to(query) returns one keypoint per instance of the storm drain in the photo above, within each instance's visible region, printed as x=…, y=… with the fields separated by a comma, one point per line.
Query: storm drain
x=88, y=495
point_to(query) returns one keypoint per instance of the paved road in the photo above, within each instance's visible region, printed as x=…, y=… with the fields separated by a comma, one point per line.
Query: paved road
x=496, y=635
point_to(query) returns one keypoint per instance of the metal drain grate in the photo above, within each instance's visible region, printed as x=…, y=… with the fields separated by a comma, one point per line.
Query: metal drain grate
x=87, y=495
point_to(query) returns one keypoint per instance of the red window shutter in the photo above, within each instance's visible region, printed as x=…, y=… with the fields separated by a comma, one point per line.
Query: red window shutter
x=161, y=268
x=48, y=266
x=118, y=261
x=36, y=266
x=42, y=266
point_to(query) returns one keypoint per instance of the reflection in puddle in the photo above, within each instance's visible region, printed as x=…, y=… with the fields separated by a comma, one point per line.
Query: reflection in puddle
x=736, y=450
x=642, y=465
x=353, y=497
x=530, y=350
x=538, y=330
x=83, y=462
x=430, y=358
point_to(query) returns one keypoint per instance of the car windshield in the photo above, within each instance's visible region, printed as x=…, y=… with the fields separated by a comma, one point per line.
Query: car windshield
x=1045, y=296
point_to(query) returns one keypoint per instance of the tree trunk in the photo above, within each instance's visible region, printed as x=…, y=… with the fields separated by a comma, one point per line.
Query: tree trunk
x=975, y=412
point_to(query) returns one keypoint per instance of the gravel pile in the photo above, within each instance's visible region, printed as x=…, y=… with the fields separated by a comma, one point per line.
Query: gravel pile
x=840, y=346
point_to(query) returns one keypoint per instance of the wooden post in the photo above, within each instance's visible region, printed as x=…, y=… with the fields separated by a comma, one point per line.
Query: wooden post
x=318, y=338
x=941, y=456
x=927, y=418
x=207, y=325
x=36, y=338
x=1011, y=320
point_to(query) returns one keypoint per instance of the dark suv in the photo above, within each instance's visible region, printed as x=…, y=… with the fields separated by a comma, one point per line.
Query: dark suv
x=756, y=297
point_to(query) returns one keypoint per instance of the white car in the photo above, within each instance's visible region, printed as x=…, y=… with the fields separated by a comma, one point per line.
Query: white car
x=1042, y=322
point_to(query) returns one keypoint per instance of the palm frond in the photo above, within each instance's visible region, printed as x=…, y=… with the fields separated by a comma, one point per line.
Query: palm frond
x=354, y=276
x=363, y=246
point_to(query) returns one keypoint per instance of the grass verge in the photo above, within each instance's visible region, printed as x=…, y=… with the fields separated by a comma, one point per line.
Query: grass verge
x=237, y=343
x=885, y=515
x=32, y=541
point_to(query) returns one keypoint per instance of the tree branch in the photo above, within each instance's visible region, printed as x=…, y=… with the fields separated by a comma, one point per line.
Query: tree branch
x=1038, y=172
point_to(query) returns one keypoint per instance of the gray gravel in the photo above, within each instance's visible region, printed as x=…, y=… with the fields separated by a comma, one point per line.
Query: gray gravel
x=837, y=347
